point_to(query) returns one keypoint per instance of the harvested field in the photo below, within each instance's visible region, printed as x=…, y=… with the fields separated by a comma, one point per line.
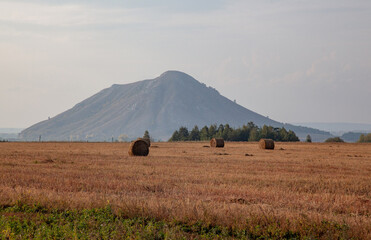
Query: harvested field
x=294, y=187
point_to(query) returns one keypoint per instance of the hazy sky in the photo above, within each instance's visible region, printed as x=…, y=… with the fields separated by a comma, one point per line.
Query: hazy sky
x=294, y=61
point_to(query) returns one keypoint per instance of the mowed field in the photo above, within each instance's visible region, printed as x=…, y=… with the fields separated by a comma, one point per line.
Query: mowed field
x=322, y=189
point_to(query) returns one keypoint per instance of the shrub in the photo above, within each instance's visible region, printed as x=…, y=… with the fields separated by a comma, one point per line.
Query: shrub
x=146, y=135
x=334, y=139
x=365, y=138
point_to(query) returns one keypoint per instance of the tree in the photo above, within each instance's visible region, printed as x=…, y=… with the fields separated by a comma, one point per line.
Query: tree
x=254, y=135
x=204, y=134
x=292, y=137
x=283, y=135
x=365, y=138
x=146, y=135
x=334, y=139
x=234, y=135
x=244, y=134
x=212, y=131
x=175, y=137
x=249, y=132
x=221, y=127
x=183, y=134
x=251, y=125
x=267, y=132
x=219, y=132
x=195, y=134
x=361, y=138
x=309, y=138
x=227, y=132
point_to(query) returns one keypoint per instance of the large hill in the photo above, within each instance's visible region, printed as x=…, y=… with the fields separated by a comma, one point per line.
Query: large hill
x=160, y=105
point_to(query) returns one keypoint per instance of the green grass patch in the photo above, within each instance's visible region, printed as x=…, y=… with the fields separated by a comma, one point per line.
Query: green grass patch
x=35, y=222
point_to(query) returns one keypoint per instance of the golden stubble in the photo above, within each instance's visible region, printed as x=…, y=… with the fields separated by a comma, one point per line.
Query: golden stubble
x=191, y=181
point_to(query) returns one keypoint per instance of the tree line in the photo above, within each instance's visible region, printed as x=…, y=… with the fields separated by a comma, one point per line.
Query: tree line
x=249, y=132
x=365, y=138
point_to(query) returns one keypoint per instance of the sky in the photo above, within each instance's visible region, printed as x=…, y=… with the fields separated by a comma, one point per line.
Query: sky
x=291, y=60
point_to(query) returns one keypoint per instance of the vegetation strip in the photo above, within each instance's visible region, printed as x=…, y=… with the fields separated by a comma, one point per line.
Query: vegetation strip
x=36, y=222
x=249, y=132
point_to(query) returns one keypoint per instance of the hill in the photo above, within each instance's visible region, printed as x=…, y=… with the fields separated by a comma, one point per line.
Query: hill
x=160, y=105
x=338, y=128
x=9, y=134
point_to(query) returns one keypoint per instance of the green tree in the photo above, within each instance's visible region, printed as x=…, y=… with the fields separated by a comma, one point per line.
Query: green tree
x=365, y=138
x=204, y=134
x=146, y=135
x=309, y=138
x=254, y=135
x=251, y=125
x=234, y=135
x=368, y=138
x=221, y=128
x=244, y=133
x=183, y=134
x=219, y=131
x=334, y=139
x=249, y=132
x=292, y=137
x=267, y=132
x=227, y=132
x=175, y=137
x=212, y=130
x=283, y=135
x=195, y=134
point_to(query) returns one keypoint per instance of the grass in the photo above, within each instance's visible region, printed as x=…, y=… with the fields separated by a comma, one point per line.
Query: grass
x=305, y=190
x=35, y=222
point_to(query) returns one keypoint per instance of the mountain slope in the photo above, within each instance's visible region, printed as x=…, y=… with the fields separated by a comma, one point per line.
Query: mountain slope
x=160, y=105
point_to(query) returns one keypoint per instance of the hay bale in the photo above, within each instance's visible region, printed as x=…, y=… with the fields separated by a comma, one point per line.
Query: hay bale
x=266, y=144
x=139, y=148
x=217, y=142
x=147, y=140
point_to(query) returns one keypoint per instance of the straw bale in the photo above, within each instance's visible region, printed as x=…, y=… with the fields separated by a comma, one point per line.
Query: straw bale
x=138, y=148
x=266, y=144
x=147, y=140
x=217, y=142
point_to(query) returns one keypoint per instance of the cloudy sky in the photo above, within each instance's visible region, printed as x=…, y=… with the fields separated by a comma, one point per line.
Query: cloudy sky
x=294, y=61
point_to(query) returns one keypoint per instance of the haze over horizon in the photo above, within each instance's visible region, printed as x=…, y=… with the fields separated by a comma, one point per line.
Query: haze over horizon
x=307, y=61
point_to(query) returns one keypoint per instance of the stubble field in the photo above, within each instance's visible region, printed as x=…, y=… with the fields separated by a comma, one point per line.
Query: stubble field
x=300, y=190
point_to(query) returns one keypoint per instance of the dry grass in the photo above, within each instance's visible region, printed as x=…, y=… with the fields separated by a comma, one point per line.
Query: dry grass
x=185, y=181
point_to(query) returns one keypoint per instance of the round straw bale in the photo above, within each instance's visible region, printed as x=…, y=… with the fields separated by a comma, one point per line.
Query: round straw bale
x=147, y=140
x=138, y=148
x=266, y=144
x=217, y=142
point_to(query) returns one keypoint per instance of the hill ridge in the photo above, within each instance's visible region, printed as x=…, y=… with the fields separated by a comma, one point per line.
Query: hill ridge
x=160, y=105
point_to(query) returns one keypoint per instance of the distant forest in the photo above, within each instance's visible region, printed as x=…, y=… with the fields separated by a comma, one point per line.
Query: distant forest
x=365, y=138
x=249, y=132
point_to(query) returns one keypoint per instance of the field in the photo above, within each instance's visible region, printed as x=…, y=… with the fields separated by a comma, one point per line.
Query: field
x=185, y=190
